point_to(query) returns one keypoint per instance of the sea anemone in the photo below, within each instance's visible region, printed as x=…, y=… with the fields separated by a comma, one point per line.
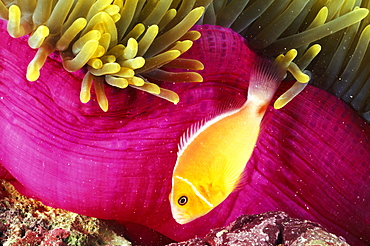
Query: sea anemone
x=340, y=27
x=118, y=41
x=310, y=161
x=118, y=165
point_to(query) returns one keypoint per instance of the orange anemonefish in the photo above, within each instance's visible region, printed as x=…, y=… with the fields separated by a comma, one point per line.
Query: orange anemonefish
x=212, y=155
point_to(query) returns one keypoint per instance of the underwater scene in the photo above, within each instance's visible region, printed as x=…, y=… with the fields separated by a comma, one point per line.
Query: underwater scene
x=184, y=122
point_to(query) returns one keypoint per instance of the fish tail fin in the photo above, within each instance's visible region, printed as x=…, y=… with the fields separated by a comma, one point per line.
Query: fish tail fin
x=265, y=79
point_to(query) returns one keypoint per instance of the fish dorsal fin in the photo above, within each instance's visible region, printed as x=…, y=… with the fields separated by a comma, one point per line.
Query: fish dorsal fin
x=226, y=107
x=231, y=104
x=194, y=130
x=190, y=134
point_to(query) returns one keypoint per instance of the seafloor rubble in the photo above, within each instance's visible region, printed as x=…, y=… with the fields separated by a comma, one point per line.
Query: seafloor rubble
x=272, y=228
x=27, y=222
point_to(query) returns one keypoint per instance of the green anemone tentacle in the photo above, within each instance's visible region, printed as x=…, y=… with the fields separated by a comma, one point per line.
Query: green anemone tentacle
x=340, y=27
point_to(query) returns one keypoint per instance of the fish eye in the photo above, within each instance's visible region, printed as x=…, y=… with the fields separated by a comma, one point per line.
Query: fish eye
x=182, y=200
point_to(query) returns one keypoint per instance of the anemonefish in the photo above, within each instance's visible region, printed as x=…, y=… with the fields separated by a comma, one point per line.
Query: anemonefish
x=213, y=154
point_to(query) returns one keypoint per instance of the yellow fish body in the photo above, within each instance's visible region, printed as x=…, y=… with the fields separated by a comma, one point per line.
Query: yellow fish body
x=213, y=155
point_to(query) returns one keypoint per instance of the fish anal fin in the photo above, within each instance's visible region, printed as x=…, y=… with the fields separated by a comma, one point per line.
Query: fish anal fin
x=232, y=173
x=242, y=180
x=234, y=182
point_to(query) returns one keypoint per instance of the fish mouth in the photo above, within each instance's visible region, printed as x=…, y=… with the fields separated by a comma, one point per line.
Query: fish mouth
x=182, y=218
x=180, y=215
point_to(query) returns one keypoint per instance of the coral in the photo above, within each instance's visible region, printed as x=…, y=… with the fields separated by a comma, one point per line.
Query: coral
x=27, y=222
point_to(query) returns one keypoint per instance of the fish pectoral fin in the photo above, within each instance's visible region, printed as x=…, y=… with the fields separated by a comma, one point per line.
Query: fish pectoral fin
x=212, y=192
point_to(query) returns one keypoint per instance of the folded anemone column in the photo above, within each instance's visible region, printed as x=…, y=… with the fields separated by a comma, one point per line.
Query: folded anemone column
x=310, y=160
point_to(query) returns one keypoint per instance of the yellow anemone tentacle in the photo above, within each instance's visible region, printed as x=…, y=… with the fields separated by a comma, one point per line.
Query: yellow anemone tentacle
x=118, y=51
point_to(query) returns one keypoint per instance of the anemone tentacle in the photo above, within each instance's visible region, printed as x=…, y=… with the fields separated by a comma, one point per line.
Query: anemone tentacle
x=340, y=27
x=119, y=41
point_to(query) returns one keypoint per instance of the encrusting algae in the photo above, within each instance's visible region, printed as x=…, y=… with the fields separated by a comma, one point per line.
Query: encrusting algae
x=119, y=41
x=25, y=221
x=340, y=27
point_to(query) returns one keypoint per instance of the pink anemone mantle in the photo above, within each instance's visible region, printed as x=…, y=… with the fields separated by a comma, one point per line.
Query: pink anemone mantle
x=311, y=161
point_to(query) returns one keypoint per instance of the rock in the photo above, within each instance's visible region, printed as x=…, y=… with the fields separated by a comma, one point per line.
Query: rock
x=271, y=228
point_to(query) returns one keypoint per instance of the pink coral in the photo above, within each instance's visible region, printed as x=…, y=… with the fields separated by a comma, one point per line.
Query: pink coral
x=55, y=237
